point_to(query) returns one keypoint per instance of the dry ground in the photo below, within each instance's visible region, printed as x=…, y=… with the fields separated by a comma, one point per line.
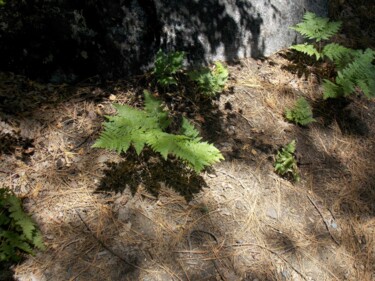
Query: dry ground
x=236, y=221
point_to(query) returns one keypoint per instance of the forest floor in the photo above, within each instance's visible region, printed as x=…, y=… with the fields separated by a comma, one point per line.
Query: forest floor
x=109, y=217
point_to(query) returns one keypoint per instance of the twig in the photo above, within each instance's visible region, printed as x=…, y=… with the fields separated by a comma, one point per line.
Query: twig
x=105, y=246
x=202, y=231
x=217, y=242
x=325, y=222
x=183, y=269
x=247, y=120
x=86, y=139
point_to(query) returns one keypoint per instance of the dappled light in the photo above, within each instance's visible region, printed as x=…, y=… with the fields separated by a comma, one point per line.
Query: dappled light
x=141, y=211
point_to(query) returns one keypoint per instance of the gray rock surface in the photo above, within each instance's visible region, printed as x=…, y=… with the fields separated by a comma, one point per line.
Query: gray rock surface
x=232, y=29
x=67, y=40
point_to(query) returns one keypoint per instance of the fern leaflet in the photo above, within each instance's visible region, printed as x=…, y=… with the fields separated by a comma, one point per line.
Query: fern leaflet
x=317, y=28
x=307, y=49
x=337, y=53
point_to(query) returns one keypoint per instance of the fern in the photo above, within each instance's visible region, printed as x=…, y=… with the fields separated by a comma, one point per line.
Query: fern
x=359, y=73
x=286, y=163
x=355, y=69
x=17, y=231
x=301, y=113
x=317, y=28
x=210, y=82
x=138, y=128
x=166, y=66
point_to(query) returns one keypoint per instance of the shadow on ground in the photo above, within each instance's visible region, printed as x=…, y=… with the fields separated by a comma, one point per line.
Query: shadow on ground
x=151, y=171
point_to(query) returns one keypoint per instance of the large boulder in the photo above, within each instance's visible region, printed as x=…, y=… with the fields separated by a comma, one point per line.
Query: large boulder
x=66, y=40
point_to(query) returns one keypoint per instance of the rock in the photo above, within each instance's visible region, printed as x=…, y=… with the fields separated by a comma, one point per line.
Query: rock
x=272, y=213
x=66, y=40
x=60, y=163
x=124, y=214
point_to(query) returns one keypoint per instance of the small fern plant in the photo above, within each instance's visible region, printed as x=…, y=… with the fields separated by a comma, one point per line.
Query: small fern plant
x=286, y=163
x=166, y=67
x=355, y=69
x=18, y=233
x=301, y=113
x=210, y=82
x=138, y=128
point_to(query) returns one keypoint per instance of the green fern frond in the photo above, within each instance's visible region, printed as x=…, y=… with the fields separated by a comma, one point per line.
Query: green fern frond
x=359, y=73
x=164, y=143
x=221, y=73
x=189, y=130
x=337, y=53
x=210, y=82
x=137, y=128
x=17, y=241
x=17, y=232
x=154, y=109
x=307, y=49
x=317, y=28
x=166, y=66
x=355, y=68
x=198, y=154
x=20, y=218
x=285, y=161
x=301, y=113
x=331, y=90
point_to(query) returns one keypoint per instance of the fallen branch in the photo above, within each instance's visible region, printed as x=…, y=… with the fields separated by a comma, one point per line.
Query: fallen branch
x=325, y=222
x=105, y=246
x=217, y=242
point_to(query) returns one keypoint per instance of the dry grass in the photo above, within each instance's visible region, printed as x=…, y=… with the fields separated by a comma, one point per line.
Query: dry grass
x=248, y=224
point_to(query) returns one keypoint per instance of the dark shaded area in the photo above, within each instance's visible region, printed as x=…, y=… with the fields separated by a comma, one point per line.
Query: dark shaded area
x=358, y=21
x=303, y=65
x=64, y=41
x=67, y=41
x=281, y=241
x=150, y=170
x=22, y=148
x=341, y=111
x=6, y=274
x=21, y=96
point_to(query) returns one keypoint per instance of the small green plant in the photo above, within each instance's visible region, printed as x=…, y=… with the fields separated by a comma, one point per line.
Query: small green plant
x=301, y=113
x=18, y=233
x=286, y=163
x=210, y=82
x=166, y=66
x=137, y=128
x=355, y=69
